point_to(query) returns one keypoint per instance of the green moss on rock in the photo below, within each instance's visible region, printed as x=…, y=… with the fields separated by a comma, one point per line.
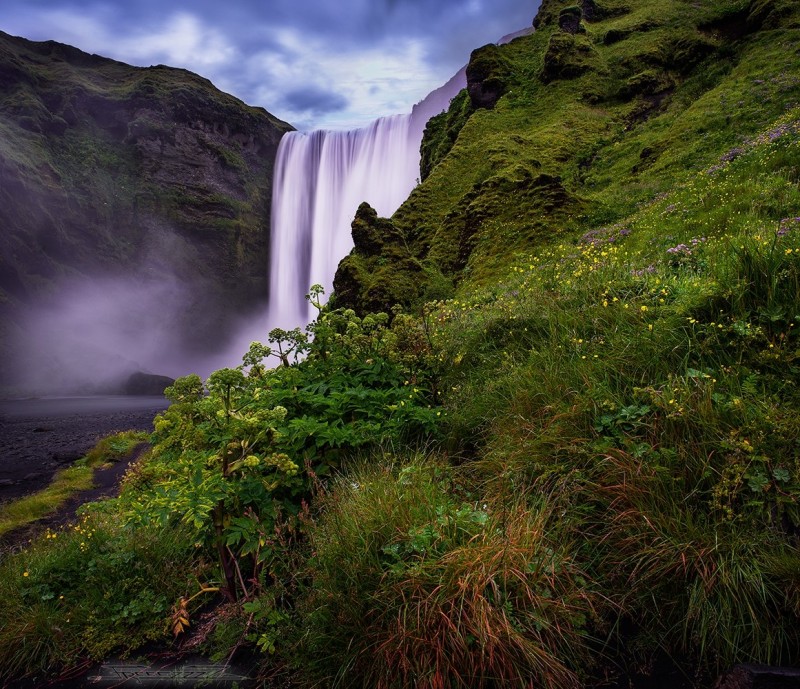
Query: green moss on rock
x=611, y=124
x=442, y=131
x=487, y=76
x=380, y=271
x=550, y=11
x=569, y=20
x=773, y=14
x=649, y=82
x=569, y=56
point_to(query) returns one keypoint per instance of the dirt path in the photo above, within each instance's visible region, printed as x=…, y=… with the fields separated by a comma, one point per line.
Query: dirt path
x=39, y=437
x=106, y=484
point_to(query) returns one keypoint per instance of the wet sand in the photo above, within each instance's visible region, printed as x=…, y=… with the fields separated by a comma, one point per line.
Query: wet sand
x=40, y=436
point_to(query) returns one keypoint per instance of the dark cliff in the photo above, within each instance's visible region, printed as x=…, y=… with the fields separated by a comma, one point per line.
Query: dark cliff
x=113, y=170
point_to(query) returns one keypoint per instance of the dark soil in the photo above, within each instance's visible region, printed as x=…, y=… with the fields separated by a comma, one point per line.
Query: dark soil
x=106, y=481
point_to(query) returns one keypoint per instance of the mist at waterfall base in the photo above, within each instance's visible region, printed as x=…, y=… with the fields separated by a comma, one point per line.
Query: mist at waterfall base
x=94, y=333
x=159, y=314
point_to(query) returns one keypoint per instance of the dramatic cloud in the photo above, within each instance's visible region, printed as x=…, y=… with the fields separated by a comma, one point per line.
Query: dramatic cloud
x=315, y=100
x=320, y=63
x=181, y=39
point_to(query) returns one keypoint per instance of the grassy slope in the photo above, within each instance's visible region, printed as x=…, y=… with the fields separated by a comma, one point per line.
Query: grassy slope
x=622, y=343
x=624, y=402
x=610, y=146
x=619, y=380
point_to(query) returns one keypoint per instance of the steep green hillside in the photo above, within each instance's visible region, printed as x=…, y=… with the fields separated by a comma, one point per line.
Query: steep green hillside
x=612, y=208
x=605, y=106
x=113, y=170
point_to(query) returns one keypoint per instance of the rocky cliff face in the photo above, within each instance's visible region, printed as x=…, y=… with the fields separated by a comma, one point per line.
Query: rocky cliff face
x=113, y=172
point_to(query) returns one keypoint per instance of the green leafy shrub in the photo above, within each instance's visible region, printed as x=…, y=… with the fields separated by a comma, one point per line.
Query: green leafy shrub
x=235, y=459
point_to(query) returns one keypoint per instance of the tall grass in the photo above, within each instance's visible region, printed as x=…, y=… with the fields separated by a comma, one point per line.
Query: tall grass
x=705, y=587
x=410, y=587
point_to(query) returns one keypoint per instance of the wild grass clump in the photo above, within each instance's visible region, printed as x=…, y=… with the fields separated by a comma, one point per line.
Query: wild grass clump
x=715, y=590
x=411, y=585
x=30, y=508
x=89, y=589
x=114, y=447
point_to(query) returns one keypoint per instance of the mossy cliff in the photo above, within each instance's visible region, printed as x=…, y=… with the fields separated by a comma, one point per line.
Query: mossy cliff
x=607, y=104
x=108, y=169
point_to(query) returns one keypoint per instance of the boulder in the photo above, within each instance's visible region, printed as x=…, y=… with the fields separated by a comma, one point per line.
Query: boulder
x=141, y=383
x=569, y=20
x=369, y=231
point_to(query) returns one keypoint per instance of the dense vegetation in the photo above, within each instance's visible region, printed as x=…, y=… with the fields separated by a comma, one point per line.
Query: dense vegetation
x=582, y=461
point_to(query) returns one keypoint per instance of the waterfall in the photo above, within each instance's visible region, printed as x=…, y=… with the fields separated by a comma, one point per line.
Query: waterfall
x=320, y=180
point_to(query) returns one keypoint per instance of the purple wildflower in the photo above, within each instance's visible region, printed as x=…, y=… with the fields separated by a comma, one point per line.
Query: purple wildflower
x=733, y=154
x=787, y=225
x=680, y=249
x=649, y=270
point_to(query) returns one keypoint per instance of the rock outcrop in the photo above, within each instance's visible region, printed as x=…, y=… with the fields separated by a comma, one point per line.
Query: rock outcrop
x=380, y=271
x=141, y=383
x=487, y=76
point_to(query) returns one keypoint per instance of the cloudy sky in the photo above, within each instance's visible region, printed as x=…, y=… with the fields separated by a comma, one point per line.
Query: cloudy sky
x=314, y=63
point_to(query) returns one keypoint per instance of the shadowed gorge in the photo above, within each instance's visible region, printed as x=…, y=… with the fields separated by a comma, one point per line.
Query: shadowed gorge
x=148, y=181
